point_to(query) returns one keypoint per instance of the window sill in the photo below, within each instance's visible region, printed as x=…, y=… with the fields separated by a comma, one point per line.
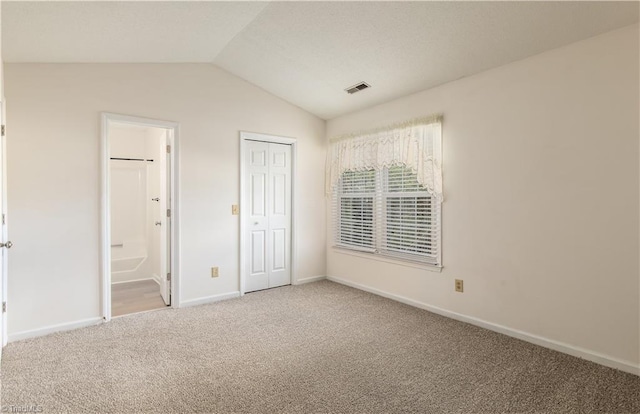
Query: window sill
x=387, y=259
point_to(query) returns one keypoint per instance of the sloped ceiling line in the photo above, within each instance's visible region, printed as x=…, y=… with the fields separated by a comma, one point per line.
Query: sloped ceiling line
x=307, y=52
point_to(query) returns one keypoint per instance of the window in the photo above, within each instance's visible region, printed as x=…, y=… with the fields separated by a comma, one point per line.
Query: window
x=387, y=212
x=386, y=186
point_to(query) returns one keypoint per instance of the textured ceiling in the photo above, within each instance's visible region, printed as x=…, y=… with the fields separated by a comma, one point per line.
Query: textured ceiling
x=308, y=52
x=120, y=31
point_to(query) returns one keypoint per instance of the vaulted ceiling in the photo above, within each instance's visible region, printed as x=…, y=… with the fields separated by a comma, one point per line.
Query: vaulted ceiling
x=308, y=52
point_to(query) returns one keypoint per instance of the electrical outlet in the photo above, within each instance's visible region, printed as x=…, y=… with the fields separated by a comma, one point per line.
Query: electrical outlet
x=235, y=209
x=459, y=285
x=214, y=272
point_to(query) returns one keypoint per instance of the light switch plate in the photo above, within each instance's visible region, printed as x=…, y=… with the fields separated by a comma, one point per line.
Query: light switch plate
x=235, y=209
x=214, y=272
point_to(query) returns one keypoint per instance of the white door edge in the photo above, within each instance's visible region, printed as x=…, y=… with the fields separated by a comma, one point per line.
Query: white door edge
x=165, y=232
x=254, y=136
x=5, y=234
x=105, y=225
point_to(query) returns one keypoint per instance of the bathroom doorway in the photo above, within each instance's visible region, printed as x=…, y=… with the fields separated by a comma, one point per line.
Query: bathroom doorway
x=138, y=215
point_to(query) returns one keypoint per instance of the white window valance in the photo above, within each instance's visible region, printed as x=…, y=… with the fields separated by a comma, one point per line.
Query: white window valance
x=416, y=145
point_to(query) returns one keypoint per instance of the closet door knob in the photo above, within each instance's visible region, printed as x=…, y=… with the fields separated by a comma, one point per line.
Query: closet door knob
x=7, y=245
x=158, y=223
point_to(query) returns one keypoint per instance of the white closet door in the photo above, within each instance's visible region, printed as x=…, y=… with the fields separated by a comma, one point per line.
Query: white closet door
x=258, y=224
x=269, y=220
x=279, y=244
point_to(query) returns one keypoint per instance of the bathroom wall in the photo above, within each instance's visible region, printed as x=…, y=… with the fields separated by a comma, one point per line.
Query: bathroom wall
x=134, y=236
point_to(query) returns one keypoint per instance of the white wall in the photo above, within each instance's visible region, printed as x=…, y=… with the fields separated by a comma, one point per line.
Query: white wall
x=54, y=169
x=1, y=60
x=540, y=217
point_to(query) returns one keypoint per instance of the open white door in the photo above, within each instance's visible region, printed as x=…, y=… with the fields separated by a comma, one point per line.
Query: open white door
x=5, y=244
x=165, y=237
x=268, y=230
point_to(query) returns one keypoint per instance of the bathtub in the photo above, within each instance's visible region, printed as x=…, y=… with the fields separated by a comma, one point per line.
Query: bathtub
x=127, y=260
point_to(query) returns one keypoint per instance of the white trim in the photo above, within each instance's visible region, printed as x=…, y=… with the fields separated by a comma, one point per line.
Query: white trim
x=598, y=358
x=105, y=248
x=136, y=120
x=68, y=326
x=5, y=229
x=209, y=299
x=124, y=315
x=105, y=223
x=253, y=136
x=309, y=280
x=153, y=277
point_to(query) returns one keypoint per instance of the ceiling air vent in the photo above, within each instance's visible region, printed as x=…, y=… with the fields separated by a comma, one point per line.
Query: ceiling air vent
x=357, y=88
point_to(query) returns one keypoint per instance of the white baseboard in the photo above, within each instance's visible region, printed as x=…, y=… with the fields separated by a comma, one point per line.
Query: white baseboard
x=209, y=299
x=156, y=278
x=134, y=280
x=592, y=356
x=309, y=279
x=54, y=328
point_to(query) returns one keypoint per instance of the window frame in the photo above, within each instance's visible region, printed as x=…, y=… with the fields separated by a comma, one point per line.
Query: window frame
x=380, y=249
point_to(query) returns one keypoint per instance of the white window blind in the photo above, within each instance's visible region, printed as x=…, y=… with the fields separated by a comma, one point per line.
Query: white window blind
x=387, y=212
x=410, y=217
x=357, y=191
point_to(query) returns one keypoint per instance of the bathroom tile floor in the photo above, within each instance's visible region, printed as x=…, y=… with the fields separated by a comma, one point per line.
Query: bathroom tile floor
x=134, y=297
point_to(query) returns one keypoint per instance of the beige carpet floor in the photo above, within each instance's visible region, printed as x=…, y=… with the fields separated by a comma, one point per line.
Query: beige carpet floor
x=316, y=348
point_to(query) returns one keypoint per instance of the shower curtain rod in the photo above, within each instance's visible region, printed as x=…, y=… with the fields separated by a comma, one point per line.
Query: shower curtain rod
x=130, y=159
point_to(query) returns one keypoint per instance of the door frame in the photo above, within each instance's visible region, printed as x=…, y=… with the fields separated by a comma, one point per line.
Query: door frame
x=174, y=129
x=4, y=223
x=274, y=139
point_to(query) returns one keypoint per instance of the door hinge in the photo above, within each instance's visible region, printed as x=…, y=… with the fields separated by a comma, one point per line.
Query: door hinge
x=4, y=307
x=168, y=149
x=3, y=220
x=169, y=277
x=2, y=130
x=168, y=212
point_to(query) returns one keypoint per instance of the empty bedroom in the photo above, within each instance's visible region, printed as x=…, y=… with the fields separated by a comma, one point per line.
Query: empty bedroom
x=320, y=207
